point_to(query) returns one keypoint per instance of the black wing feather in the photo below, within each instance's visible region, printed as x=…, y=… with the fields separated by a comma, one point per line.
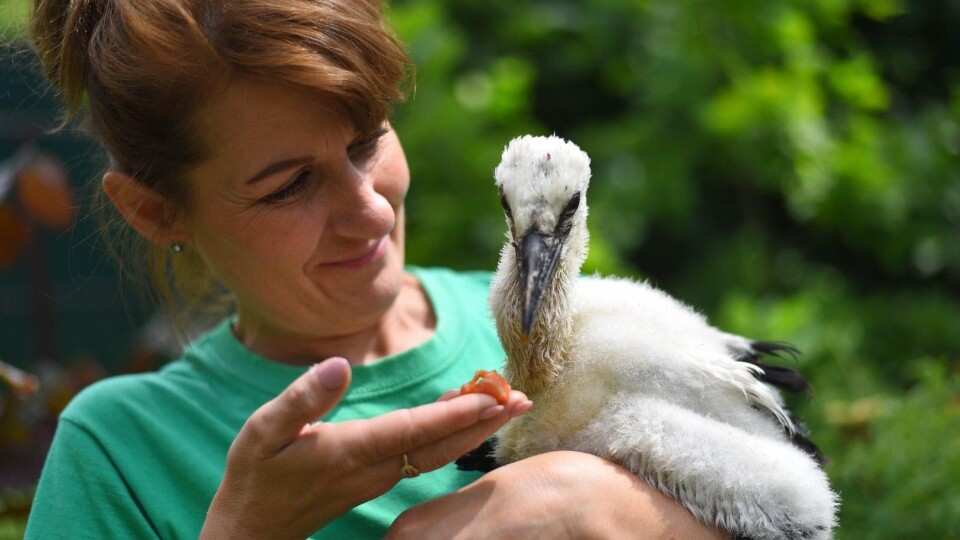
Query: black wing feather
x=480, y=458
x=781, y=377
x=787, y=379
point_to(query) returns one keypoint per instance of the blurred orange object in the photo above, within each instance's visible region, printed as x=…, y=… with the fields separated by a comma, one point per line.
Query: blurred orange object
x=14, y=234
x=23, y=384
x=45, y=193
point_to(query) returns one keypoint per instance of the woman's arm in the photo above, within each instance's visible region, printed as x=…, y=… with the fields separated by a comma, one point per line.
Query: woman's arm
x=554, y=495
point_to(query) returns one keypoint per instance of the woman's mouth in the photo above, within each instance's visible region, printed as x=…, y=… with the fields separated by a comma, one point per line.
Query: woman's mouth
x=376, y=252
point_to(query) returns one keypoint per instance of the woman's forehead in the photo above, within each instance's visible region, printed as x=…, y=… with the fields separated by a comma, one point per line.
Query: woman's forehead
x=249, y=105
x=253, y=121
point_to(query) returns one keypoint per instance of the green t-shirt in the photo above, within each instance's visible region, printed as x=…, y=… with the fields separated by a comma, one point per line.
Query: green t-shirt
x=141, y=456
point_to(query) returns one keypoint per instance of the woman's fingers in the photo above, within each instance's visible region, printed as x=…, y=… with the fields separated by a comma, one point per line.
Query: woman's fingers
x=432, y=435
x=449, y=394
x=403, y=430
x=437, y=454
x=442, y=442
x=276, y=424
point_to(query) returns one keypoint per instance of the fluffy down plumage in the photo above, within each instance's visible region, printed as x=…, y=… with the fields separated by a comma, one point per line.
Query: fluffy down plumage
x=620, y=369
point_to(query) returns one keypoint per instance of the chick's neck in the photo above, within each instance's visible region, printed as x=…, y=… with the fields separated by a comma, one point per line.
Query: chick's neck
x=533, y=361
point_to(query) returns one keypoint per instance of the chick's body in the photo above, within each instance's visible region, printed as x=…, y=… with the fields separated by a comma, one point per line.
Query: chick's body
x=622, y=370
x=674, y=411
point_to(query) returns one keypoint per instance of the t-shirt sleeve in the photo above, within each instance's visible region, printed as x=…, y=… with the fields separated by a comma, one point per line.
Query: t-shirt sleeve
x=81, y=493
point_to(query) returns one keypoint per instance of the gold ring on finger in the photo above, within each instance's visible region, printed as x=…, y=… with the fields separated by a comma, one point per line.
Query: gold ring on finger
x=408, y=470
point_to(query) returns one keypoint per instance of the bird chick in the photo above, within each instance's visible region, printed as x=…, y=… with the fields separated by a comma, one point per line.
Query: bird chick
x=622, y=370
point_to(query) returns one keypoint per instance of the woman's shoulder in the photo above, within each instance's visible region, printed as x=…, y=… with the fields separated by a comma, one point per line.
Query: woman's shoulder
x=460, y=292
x=116, y=399
x=464, y=281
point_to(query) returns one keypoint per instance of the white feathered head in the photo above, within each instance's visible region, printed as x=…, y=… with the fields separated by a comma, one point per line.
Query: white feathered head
x=543, y=189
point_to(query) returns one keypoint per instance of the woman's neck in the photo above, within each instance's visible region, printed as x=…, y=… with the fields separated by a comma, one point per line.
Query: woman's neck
x=409, y=322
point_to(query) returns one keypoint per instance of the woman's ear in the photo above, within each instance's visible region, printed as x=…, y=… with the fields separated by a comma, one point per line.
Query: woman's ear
x=151, y=214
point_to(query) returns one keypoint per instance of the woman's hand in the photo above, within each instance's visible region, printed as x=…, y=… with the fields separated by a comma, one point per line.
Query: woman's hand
x=287, y=477
x=554, y=495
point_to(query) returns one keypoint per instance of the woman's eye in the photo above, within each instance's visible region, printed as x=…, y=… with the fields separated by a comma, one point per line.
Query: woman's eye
x=290, y=190
x=366, y=146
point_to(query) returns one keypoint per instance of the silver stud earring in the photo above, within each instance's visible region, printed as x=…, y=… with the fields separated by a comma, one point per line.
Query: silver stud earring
x=176, y=247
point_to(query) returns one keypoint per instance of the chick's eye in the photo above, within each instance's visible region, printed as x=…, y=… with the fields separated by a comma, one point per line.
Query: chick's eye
x=505, y=205
x=565, y=222
x=571, y=207
x=290, y=190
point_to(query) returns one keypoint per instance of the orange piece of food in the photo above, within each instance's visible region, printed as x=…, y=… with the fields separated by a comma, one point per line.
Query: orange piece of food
x=490, y=383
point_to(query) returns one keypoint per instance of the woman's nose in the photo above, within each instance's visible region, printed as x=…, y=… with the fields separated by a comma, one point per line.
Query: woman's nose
x=358, y=209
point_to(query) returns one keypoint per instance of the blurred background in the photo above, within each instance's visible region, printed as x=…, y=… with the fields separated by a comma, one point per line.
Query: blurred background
x=791, y=168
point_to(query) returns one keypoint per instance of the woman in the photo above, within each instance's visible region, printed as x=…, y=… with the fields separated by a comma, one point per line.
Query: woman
x=250, y=149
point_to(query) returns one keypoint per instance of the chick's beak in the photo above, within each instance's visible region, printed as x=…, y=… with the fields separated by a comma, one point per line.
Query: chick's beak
x=537, y=255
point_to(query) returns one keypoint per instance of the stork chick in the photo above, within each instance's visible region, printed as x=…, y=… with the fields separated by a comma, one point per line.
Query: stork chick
x=622, y=370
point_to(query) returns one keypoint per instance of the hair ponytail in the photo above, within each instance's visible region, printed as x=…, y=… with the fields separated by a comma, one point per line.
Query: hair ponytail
x=60, y=32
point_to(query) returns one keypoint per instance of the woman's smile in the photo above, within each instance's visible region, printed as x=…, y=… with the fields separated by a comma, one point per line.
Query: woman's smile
x=375, y=253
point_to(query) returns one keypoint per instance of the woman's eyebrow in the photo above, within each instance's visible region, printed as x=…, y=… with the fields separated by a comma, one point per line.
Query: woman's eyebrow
x=278, y=166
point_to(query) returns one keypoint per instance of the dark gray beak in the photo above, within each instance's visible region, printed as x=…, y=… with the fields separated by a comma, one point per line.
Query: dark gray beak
x=537, y=255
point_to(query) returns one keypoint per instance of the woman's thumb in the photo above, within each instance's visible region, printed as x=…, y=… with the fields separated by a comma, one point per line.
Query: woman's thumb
x=333, y=374
x=312, y=395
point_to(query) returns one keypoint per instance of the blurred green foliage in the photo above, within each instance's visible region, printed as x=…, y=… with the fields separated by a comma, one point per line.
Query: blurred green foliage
x=13, y=17
x=789, y=167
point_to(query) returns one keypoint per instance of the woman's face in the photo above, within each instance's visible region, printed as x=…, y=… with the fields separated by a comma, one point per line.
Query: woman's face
x=299, y=215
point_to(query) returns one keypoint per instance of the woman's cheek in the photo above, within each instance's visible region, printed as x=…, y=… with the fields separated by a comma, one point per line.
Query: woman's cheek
x=395, y=176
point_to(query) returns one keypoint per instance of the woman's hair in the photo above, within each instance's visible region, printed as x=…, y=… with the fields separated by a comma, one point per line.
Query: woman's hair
x=138, y=72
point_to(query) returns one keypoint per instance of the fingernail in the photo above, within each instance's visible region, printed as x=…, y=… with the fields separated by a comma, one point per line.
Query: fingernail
x=332, y=373
x=521, y=408
x=490, y=412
